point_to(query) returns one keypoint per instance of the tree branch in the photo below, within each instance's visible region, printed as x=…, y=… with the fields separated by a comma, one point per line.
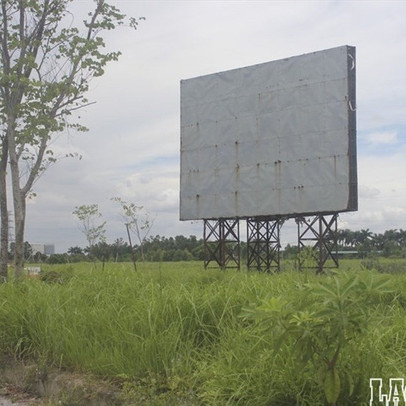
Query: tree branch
x=36, y=167
x=4, y=43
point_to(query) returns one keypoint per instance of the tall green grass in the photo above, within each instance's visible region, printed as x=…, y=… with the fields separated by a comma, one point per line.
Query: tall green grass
x=182, y=324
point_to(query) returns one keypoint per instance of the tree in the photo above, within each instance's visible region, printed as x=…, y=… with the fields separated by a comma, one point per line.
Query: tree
x=75, y=250
x=38, y=257
x=136, y=219
x=46, y=65
x=121, y=249
x=27, y=249
x=93, y=230
x=402, y=241
x=101, y=250
x=4, y=223
x=378, y=241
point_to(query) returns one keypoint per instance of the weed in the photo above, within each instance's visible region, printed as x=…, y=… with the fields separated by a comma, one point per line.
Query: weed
x=175, y=333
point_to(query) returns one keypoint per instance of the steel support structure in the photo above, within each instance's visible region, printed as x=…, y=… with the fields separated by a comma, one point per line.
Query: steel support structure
x=222, y=243
x=263, y=243
x=317, y=235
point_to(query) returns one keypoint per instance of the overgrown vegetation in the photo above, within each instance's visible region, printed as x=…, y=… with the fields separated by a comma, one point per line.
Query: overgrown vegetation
x=351, y=244
x=366, y=243
x=173, y=334
x=180, y=248
x=154, y=249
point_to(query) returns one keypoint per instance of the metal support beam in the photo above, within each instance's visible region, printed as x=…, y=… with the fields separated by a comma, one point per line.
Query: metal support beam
x=222, y=243
x=263, y=243
x=317, y=241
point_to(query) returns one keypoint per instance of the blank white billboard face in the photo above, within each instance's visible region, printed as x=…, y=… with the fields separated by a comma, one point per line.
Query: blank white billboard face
x=275, y=139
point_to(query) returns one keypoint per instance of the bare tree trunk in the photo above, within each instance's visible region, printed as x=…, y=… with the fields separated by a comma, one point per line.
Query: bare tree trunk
x=140, y=239
x=19, y=221
x=3, y=214
x=131, y=246
x=19, y=202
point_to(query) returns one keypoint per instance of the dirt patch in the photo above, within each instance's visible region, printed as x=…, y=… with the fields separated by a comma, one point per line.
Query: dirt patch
x=28, y=384
x=11, y=395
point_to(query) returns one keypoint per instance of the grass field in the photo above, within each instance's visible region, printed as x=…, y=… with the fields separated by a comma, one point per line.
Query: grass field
x=175, y=334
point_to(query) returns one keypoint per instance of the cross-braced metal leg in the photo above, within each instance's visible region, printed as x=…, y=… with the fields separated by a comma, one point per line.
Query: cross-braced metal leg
x=263, y=244
x=317, y=241
x=222, y=243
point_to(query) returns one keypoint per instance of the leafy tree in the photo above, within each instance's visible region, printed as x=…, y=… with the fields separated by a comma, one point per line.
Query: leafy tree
x=378, y=241
x=391, y=242
x=57, y=259
x=27, y=249
x=75, y=251
x=364, y=236
x=136, y=219
x=46, y=64
x=290, y=251
x=402, y=242
x=121, y=249
x=38, y=257
x=179, y=248
x=88, y=216
x=76, y=254
x=101, y=251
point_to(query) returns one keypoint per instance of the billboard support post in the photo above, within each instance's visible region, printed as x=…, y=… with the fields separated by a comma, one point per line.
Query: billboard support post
x=222, y=243
x=319, y=235
x=263, y=243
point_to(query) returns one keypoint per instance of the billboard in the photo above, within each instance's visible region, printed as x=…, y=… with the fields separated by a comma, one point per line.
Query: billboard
x=274, y=139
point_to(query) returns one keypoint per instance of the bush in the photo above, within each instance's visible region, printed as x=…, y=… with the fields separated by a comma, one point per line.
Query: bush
x=53, y=276
x=385, y=266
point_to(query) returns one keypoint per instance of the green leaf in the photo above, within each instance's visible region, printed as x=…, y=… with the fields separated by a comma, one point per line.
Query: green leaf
x=321, y=374
x=351, y=384
x=350, y=284
x=273, y=305
x=332, y=386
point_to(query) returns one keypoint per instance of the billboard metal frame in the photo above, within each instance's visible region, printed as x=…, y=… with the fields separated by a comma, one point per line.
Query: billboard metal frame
x=319, y=234
x=263, y=243
x=222, y=243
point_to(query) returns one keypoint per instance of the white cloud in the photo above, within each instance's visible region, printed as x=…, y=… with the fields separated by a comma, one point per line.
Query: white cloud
x=367, y=192
x=156, y=191
x=382, y=138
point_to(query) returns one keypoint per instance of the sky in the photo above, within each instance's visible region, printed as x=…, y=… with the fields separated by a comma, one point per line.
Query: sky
x=133, y=147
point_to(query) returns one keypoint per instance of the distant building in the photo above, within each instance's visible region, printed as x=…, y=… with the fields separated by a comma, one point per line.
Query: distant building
x=47, y=249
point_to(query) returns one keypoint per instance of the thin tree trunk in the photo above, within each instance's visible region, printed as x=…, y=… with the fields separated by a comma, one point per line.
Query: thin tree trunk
x=131, y=246
x=140, y=239
x=19, y=220
x=19, y=202
x=3, y=215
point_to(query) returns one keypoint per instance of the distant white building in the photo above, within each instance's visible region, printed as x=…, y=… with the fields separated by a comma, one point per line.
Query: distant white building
x=47, y=249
